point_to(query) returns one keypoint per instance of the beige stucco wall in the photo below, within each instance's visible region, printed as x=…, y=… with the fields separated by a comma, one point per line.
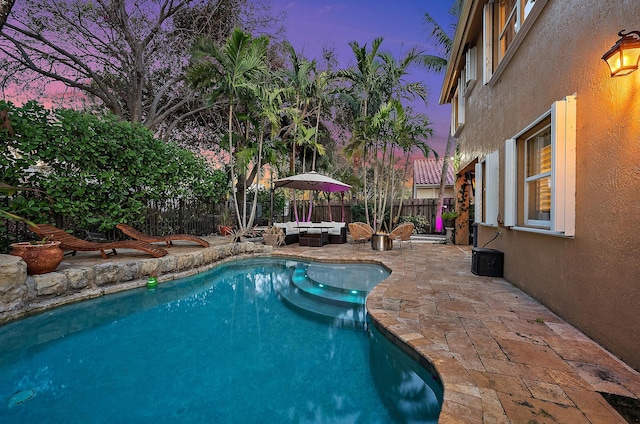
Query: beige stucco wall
x=432, y=192
x=592, y=280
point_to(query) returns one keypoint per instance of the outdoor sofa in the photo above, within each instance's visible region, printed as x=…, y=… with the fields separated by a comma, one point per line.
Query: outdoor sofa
x=337, y=230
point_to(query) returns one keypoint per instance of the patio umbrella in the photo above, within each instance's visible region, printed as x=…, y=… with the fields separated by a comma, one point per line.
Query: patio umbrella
x=312, y=181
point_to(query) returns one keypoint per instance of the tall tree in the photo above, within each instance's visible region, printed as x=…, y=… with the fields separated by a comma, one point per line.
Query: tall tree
x=378, y=83
x=364, y=81
x=231, y=72
x=438, y=63
x=128, y=55
x=5, y=9
x=298, y=76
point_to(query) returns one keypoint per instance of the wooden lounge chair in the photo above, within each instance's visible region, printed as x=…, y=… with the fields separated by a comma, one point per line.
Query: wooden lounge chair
x=402, y=233
x=69, y=242
x=135, y=234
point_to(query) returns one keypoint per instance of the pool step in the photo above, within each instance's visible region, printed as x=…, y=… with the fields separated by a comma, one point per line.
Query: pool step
x=340, y=316
x=325, y=291
x=339, y=306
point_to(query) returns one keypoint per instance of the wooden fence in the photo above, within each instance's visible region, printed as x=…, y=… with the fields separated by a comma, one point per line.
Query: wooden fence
x=410, y=207
x=200, y=218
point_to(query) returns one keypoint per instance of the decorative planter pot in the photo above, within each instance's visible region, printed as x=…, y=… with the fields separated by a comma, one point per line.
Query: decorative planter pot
x=41, y=257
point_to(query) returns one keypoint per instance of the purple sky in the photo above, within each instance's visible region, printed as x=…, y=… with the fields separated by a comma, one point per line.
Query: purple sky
x=314, y=24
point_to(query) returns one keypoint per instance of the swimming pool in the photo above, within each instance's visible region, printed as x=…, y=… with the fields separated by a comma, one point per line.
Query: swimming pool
x=224, y=346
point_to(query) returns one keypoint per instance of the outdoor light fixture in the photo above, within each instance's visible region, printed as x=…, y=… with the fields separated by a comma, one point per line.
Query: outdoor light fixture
x=622, y=58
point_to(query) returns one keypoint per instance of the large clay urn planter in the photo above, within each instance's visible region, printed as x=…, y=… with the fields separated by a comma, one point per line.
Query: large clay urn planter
x=41, y=257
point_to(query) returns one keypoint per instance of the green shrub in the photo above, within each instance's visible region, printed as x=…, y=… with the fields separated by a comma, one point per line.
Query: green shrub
x=420, y=223
x=97, y=170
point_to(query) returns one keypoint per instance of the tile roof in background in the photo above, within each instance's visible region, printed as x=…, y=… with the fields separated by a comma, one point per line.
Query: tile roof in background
x=427, y=172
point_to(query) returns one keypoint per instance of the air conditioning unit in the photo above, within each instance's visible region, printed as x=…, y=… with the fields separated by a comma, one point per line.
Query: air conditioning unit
x=487, y=262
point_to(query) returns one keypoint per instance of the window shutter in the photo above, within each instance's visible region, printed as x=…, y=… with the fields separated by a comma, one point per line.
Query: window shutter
x=478, y=195
x=487, y=43
x=510, y=183
x=470, y=67
x=461, y=101
x=563, y=162
x=454, y=114
x=492, y=169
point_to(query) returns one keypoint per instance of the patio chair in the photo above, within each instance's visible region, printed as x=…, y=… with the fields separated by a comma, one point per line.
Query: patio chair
x=360, y=232
x=135, y=234
x=69, y=242
x=402, y=233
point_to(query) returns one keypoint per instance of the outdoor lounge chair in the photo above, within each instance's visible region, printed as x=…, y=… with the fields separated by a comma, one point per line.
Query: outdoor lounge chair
x=135, y=234
x=360, y=232
x=402, y=233
x=69, y=242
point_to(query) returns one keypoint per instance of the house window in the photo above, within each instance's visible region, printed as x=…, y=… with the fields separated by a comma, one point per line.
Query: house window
x=508, y=24
x=540, y=173
x=470, y=70
x=537, y=187
x=457, y=107
x=511, y=15
x=503, y=30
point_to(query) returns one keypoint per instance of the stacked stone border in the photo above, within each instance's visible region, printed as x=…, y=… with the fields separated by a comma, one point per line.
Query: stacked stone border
x=22, y=295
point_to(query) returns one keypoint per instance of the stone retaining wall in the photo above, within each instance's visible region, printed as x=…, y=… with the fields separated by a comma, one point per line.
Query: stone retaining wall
x=22, y=295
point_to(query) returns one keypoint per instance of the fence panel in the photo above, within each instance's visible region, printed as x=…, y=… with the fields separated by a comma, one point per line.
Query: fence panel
x=168, y=216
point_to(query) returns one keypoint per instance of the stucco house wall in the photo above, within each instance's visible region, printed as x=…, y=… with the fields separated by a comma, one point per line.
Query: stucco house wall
x=592, y=279
x=432, y=192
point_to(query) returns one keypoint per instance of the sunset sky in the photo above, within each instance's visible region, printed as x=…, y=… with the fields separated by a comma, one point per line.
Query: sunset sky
x=312, y=25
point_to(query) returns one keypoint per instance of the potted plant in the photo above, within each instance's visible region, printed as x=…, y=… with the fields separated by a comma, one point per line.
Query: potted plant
x=449, y=217
x=226, y=223
x=273, y=236
x=41, y=256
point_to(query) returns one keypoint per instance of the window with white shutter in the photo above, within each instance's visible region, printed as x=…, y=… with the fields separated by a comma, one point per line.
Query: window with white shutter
x=540, y=173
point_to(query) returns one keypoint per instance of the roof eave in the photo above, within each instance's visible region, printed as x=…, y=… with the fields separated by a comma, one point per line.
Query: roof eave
x=459, y=41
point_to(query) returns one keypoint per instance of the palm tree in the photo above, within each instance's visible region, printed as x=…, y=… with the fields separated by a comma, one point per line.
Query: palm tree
x=378, y=84
x=364, y=81
x=320, y=93
x=267, y=108
x=230, y=71
x=439, y=64
x=299, y=79
x=411, y=132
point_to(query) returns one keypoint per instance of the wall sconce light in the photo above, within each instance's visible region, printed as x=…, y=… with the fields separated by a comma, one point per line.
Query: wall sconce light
x=622, y=58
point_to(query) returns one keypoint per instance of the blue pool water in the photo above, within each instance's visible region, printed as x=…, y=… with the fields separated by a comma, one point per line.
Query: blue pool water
x=218, y=347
